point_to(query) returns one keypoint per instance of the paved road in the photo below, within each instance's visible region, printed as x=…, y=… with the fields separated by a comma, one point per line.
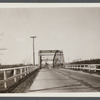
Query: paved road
x=65, y=80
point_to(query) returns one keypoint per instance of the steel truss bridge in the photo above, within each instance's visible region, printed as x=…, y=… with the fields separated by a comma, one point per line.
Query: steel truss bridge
x=55, y=56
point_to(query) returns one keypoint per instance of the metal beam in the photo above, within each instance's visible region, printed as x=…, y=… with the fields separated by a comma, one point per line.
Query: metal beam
x=49, y=51
x=50, y=54
x=47, y=59
x=46, y=54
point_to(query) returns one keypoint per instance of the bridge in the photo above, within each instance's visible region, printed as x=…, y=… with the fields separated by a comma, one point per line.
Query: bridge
x=55, y=56
x=51, y=75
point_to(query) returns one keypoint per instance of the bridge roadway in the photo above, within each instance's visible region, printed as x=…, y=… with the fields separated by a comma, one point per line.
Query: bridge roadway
x=65, y=80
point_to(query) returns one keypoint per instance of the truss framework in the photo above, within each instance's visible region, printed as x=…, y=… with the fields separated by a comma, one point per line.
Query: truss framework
x=57, y=57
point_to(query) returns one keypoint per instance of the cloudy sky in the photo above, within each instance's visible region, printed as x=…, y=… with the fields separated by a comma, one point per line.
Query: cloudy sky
x=76, y=31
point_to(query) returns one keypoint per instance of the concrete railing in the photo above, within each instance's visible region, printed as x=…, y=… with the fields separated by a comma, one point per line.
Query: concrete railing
x=14, y=73
x=89, y=67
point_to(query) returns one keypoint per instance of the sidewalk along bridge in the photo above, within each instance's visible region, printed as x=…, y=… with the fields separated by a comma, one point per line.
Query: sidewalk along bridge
x=56, y=57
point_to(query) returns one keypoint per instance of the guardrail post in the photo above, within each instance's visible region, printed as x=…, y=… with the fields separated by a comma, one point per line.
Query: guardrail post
x=84, y=67
x=25, y=71
x=89, y=68
x=72, y=67
x=15, y=75
x=80, y=67
x=95, y=69
x=29, y=70
x=20, y=72
x=5, y=77
x=32, y=68
x=77, y=67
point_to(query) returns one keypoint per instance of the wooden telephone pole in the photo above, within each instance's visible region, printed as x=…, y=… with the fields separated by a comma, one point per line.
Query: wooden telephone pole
x=33, y=37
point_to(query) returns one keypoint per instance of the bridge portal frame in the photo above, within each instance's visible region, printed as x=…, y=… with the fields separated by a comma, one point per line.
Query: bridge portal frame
x=54, y=53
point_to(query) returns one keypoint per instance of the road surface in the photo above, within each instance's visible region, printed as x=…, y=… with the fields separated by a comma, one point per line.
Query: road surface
x=65, y=80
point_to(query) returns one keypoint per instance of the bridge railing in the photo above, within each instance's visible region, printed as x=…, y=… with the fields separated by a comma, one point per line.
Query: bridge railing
x=12, y=73
x=89, y=67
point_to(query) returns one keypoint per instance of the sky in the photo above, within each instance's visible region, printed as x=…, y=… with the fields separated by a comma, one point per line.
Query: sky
x=76, y=31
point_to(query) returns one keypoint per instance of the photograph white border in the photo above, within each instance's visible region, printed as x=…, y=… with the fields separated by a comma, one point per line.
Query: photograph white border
x=49, y=5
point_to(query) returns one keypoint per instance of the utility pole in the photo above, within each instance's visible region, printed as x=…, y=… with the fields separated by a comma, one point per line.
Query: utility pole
x=33, y=37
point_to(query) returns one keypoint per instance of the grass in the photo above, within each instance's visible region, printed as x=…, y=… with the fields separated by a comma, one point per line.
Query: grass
x=10, y=83
x=24, y=85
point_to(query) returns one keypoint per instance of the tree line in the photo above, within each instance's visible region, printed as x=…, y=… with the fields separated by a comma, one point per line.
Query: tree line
x=91, y=61
x=12, y=66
